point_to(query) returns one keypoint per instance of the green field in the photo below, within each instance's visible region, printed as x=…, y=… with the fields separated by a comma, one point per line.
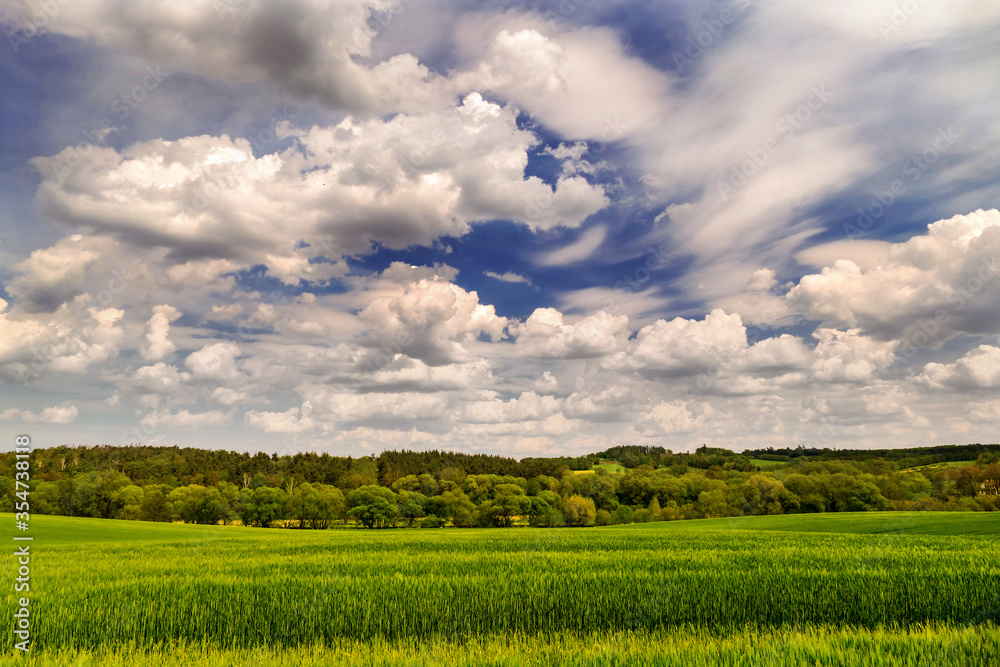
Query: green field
x=766, y=465
x=913, y=523
x=879, y=589
x=940, y=466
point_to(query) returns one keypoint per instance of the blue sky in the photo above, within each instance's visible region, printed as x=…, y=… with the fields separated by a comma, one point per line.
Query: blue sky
x=523, y=228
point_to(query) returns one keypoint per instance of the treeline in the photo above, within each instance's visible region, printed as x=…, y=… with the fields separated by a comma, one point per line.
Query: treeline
x=181, y=466
x=432, y=489
x=907, y=457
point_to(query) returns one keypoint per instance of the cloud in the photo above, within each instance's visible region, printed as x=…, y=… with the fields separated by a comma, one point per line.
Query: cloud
x=215, y=363
x=294, y=420
x=309, y=48
x=749, y=179
x=579, y=82
x=611, y=403
x=65, y=414
x=71, y=340
x=545, y=335
x=782, y=353
x=204, y=273
x=398, y=408
x=158, y=343
x=412, y=375
x=431, y=321
x=984, y=411
x=742, y=159
x=714, y=356
x=529, y=406
x=160, y=378
x=927, y=289
x=164, y=419
x=641, y=306
x=225, y=312
x=400, y=182
x=52, y=276
x=848, y=356
x=264, y=316
x=865, y=253
x=309, y=329
x=683, y=347
x=762, y=280
x=508, y=277
x=547, y=383
x=674, y=417
x=577, y=251
x=977, y=369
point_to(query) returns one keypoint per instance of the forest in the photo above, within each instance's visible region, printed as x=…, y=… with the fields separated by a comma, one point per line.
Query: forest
x=629, y=484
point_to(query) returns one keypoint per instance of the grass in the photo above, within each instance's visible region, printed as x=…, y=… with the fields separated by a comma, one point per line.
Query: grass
x=767, y=465
x=59, y=530
x=940, y=466
x=862, y=647
x=795, y=589
x=861, y=523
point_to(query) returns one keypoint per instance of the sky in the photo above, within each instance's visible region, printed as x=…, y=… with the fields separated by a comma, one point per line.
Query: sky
x=519, y=228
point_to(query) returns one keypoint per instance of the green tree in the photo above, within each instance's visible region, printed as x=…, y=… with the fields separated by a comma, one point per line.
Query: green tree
x=412, y=506
x=623, y=514
x=537, y=509
x=765, y=495
x=713, y=504
x=332, y=506
x=509, y=501
x=303, y=504
x=270, y=504
x=44, y=497
x=230, y=494
x=374, y=506
x=155, y=506
x=654, y=508
x=262, y=506
x=460, y=509
x=81, y=501
x=198, y=504
x=128, y=500
x=107, y=484
x=580, y=511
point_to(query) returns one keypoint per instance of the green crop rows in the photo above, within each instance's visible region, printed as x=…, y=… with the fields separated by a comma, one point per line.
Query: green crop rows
x=243, y=590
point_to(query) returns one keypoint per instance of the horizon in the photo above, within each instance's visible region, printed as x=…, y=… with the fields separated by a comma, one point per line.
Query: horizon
x=374, y=455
